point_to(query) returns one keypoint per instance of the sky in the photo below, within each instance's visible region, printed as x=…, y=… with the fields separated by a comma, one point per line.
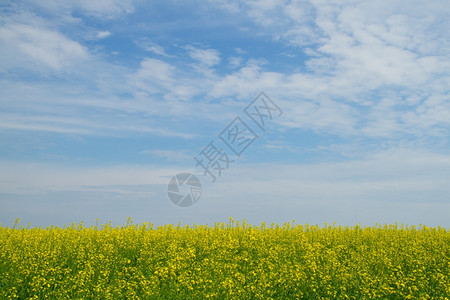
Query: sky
x=103, y=102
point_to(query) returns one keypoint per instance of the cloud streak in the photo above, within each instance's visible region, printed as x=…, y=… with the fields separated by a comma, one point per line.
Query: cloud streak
x=25, y=46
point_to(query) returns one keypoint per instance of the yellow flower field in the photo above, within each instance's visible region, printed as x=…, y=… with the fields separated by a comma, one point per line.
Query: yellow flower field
x=225, y=261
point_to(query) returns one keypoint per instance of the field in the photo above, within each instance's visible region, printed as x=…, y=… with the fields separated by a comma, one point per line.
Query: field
x=232, y=260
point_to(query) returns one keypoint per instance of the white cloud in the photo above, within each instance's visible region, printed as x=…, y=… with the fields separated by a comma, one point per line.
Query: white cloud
x=105, y=8
x=157, y=77
x=31, y=178
x=207, y=57
x=103, y=34
x=174, y=83
x=363, y=55
x=88, y=123
x=371, y=43
x=359, y=59
x=172, y=155
x=154, y=76
x=25, y=46
x=235, y=61
x=156, y=49
x=152, y=47
x=246, y=81
x=363, y=49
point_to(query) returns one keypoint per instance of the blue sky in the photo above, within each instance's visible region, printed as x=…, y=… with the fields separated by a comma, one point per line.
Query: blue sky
x=102, y=102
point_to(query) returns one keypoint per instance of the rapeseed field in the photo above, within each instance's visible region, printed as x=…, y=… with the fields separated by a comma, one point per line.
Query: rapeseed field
x=233, y=260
